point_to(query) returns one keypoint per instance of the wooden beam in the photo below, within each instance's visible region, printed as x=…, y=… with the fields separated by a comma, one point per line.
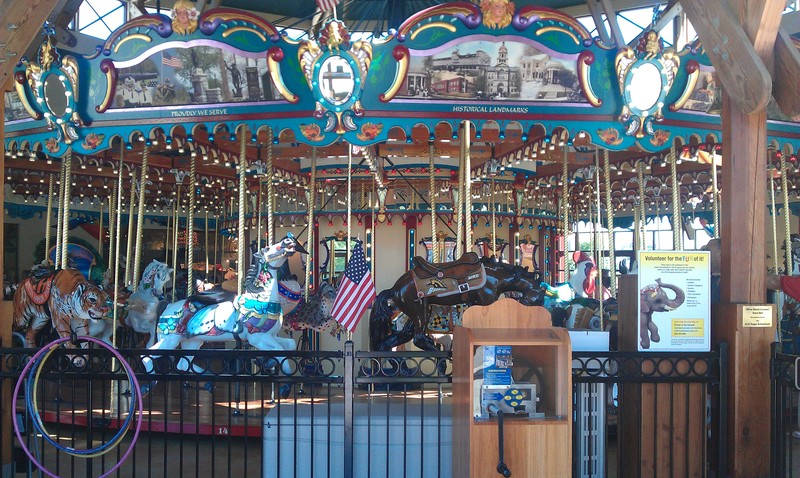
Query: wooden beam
x=787, y=70
x=27, y=18
x=739, y=67
x=761, y=20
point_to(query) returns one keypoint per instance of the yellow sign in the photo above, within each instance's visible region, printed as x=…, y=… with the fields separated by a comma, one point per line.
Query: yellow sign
x=757, y=316
x=688, y=327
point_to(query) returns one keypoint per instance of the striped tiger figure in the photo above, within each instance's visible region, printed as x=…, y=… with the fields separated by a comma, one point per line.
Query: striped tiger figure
x=64, y=298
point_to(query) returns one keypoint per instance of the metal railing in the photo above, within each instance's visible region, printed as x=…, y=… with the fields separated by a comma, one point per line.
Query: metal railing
x=785, y=411
x=248, y=413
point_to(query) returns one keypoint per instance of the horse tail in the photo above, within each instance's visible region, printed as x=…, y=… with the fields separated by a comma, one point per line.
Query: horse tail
x=380, y=319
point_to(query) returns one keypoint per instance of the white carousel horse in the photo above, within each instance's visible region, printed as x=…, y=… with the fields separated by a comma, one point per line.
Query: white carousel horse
x=254, y=316
x=145, y=304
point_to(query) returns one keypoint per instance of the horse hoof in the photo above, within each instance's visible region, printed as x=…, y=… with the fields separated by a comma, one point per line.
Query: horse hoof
x=284, y=391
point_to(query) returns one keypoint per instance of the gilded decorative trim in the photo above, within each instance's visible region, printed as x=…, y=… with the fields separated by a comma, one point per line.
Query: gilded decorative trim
x=231, y=31
x=274, y=57
x=447, y=26
x=107, y=67
x=132, y=36
x=585, y=60
x=401, y=54
x=19, y=84
x=693, y=70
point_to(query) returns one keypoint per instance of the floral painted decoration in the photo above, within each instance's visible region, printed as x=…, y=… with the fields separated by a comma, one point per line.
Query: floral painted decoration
x=312, y=132
x=370, y=131
x=52, y=145
x=609, y=136
x=660, y=137
x=93, y=140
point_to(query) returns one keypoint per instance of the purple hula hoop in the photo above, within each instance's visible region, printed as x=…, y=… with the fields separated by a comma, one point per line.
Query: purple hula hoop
x=134, y=385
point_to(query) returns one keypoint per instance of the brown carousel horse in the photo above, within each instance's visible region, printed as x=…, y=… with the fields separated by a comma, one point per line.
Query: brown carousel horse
x=469, y=280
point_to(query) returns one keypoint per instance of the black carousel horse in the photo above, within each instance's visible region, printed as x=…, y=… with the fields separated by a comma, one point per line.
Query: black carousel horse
x=469, y=280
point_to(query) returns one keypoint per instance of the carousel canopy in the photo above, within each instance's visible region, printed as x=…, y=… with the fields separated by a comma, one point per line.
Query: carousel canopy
x=375, y=93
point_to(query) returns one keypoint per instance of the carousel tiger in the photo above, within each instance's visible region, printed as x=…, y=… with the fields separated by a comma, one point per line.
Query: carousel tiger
x=64, y=298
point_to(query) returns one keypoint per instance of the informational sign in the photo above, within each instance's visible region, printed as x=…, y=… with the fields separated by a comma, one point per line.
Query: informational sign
x=497, y=363
x=757, y=315
x=674, y=301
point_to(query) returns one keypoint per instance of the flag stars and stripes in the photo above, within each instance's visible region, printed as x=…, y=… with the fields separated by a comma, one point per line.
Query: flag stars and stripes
x=356, y=291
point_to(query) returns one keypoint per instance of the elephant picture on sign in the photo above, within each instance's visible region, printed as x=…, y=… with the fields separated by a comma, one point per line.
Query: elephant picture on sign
x=654, y=298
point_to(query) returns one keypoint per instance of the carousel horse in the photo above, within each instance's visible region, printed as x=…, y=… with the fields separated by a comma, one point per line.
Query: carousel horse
x=469, y=280
x=145, y=304
x=255, y=316
x=315, y=314
x=584, y=279
x=63, y=298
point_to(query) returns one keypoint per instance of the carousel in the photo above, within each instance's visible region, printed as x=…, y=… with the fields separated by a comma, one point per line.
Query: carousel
x=205, y=179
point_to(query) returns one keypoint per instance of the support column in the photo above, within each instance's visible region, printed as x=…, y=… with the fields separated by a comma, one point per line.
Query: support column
x=743, y=282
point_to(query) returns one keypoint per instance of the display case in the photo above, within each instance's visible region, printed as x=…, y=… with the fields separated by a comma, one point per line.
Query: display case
x=508, y=357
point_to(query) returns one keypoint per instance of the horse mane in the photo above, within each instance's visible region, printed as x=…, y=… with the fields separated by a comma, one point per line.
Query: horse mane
x=252, y=273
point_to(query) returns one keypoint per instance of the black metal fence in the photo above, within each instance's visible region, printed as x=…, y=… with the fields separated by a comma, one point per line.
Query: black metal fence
x=250, y=413
x=785, y=418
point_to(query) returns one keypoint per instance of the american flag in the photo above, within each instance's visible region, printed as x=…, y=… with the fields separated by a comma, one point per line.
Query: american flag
x=356, y=291
x=170, y=60
x=327, y=5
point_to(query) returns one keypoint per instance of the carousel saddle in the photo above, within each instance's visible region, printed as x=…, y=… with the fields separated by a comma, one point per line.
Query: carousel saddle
x=213, y=296
x=448, y=278
x=457, y=269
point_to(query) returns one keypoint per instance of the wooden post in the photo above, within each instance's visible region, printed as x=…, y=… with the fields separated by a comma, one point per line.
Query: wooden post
x=28, y=18
x=739, y=36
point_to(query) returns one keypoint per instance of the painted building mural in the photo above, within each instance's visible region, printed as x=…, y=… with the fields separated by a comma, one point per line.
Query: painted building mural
x=196, y=75
x=492, y=71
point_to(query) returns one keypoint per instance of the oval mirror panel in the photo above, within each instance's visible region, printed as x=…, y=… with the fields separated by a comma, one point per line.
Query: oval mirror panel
x=55, y=95
x=645, y=87
x=336, y=80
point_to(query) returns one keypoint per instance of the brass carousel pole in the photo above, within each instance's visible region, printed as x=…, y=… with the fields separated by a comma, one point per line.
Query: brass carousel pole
x=240, y=258
x=270, y=192
x=311, y=199
x=715, y=193
x=260, y=211
x=642, y=211
x=112, y=214
x=467, y=185
x=565, y=228
x=216, y=241
x=175, y=224
x=137, y=260
x=190, y=228
x=771, y=173
x=129, y=249
x=432, y=198
x=598, y=253
x=459, y=211
x=48, y=223
x=349, y=201
x=493, y=204
x=677, y=222
x=205, y=241
x=786, y=219
x=59, y=218
x=67, y=197
x=100, y=234
x=116, y=239
x=610, y=221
